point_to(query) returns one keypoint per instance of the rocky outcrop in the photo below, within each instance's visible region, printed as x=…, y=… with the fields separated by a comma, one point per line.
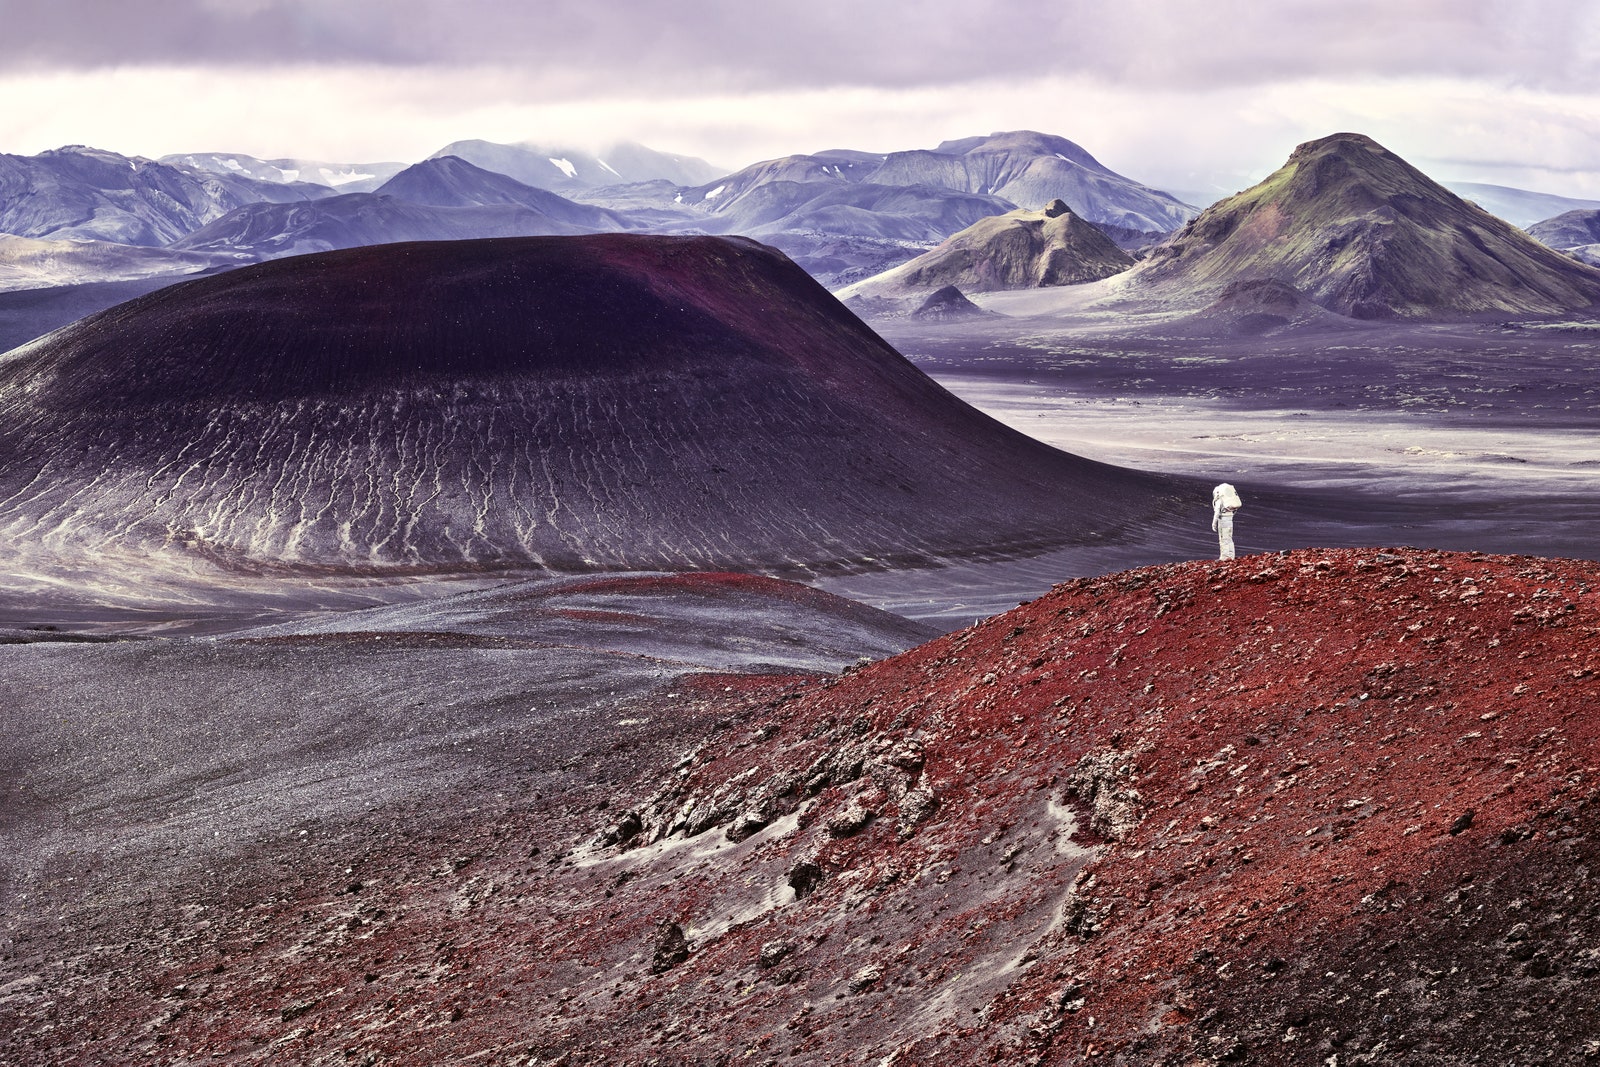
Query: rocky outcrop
x=948, y=303
x=1018, y=250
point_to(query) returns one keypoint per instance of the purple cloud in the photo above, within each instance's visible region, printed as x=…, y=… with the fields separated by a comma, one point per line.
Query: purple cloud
x=710, y=44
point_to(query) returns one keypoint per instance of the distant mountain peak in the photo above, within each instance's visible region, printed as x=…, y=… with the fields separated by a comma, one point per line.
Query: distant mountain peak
x=1022, y=140
x=1018, y=250
x=83, y=150
x=1020, y=168
x=344, y=177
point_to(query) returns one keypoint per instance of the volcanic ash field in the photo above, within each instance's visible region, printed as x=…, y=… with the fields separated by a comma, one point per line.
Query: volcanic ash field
x=1281, y=809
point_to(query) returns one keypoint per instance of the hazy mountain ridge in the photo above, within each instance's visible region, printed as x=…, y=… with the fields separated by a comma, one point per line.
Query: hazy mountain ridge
x=1520, y=207
x=834, y=209
x=79, y=193
x=904, y=213
x=1569, y=229
x=343, y=177
x=449, y=181
x=29, y=263
x=1576, y=232
x=569, y=169
x=1022, y=169
x=441, y=199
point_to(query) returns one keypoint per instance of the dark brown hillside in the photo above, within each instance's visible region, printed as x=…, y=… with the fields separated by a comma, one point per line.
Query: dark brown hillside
x=611, y=401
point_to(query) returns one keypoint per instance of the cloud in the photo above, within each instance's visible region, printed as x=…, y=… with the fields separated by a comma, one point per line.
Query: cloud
x=1182, y=94
x=580, y=47
x=1219, y=139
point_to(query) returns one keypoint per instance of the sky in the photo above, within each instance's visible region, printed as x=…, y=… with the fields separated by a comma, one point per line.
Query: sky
x=1187, y=95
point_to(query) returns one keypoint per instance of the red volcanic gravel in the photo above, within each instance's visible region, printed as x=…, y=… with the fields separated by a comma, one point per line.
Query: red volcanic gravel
x=1320, y=807
x=1343, y=801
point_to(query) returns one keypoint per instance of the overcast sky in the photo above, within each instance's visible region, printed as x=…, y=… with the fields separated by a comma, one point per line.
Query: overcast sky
x=1182, y=94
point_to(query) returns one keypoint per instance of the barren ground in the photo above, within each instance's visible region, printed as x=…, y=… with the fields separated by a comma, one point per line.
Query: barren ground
x=1289, y=808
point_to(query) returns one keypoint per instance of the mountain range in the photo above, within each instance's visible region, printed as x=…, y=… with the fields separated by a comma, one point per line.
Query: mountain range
x=567, y=170
x=440, y=199
x=843, y=215
x=78, y=193
x=1520, y=207
x=344, y=177
x=1023, y=168
x=1345, y=228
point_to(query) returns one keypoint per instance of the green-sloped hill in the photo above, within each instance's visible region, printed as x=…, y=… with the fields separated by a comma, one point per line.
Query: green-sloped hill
x=1362, y=232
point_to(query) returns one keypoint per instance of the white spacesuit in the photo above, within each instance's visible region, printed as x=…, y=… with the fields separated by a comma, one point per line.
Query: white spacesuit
x=1224, y=502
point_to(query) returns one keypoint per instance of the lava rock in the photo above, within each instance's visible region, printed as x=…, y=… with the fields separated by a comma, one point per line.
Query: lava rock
x=804, y=877
x=671, y=948
x=745, y=825
x=1099, y=780
x=774, y=951
x=915, y=806
x=855, y=817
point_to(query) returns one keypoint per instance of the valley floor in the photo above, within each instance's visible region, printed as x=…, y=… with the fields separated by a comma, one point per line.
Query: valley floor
x=1470, y=436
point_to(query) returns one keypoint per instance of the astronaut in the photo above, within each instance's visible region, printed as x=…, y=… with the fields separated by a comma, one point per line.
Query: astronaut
x=1224, y=502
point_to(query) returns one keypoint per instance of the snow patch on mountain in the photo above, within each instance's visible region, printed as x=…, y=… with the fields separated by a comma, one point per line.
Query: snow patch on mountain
x=337, y=178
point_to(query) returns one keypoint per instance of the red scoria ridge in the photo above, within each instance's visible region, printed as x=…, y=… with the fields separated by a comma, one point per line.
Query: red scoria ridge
x=1320, y=807
x=1343, y=804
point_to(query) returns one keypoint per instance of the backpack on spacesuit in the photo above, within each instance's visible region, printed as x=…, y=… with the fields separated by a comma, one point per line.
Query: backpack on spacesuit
x=1226, y=497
